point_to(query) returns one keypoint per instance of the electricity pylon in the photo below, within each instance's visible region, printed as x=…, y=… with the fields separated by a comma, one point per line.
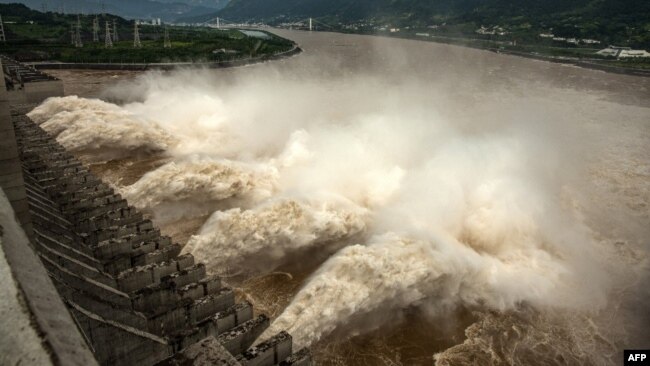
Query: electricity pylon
x=108, y=42
x=115, y=37
x=167, y=43
x=95, y=29
x=2, y=31
x=77, y=36
x=136, y=36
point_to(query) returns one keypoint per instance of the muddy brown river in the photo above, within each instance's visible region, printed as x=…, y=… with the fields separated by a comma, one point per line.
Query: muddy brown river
x=394, y=202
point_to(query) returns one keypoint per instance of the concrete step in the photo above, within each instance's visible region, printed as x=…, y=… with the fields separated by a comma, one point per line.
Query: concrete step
x=241, y=337
x=119, y=217
x=182, y=267
x=167, y=295
x=269, y=352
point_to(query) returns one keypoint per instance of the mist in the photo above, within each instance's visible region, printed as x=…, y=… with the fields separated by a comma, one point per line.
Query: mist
x=431, y=190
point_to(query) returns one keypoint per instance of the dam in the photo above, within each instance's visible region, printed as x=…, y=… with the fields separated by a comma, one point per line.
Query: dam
x=99, y=281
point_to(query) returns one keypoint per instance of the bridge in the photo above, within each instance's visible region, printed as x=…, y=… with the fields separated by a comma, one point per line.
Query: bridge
x=310, y=24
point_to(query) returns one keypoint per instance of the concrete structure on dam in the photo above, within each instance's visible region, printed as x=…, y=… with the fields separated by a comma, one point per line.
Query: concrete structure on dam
x=97, y=282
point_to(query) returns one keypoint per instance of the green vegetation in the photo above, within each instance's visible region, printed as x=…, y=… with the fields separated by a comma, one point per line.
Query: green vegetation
x=167, y=10
x=580, y=27
x=36, y=36
x=620, y=22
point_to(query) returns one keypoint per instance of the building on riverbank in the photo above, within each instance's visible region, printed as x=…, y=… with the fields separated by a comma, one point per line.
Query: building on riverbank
x=622, y=52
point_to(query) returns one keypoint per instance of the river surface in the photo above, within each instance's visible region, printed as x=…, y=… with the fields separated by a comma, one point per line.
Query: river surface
x=394, y=201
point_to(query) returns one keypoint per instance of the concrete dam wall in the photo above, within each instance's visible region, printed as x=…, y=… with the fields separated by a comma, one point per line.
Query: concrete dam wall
x=132, y=297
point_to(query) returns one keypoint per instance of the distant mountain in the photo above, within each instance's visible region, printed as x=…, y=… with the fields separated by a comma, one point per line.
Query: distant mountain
x=619, y=20
x=167, y=10
x=431, y=10
x=212, y=4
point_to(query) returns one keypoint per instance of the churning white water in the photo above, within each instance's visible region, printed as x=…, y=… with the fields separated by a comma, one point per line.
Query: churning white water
x=440, y=177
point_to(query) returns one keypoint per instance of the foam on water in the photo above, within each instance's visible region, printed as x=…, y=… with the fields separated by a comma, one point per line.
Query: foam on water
x=99, y=128
x=200, y=180
x=229, y=239
x=474, y=196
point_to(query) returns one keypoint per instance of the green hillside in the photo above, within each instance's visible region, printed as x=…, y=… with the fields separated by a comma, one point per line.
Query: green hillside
x=36, y=36
x=167, y=10
x=621, y=22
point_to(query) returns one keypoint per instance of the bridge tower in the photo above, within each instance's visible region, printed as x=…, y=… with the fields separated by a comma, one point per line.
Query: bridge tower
x=2, y=31
x=310, y=24
x=108, y=42
x=136, y=35
x=218, y=23
x=115, y=36
x=96, y=29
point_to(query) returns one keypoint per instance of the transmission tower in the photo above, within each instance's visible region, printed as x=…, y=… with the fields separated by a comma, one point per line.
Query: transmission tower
x=136, y=36
x=115, y=37
x=95, y=29
x=167, y=43
x=2, y=31
x=108, y=42
x=72, y=34
x=77, y=38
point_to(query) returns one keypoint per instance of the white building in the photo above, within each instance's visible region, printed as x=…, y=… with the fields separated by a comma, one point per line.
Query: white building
x=492, y=31
x=633, y=53
x=622, y=52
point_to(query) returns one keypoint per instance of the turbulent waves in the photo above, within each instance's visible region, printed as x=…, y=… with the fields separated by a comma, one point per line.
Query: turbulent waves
x=102, y=129
x=199, y=182
x=270, y=231
x=424, y=198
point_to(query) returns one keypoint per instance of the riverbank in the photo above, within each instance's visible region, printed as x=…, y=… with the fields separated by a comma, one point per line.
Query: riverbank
x=588, y=63
x=593, y=64
x=163, y=66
